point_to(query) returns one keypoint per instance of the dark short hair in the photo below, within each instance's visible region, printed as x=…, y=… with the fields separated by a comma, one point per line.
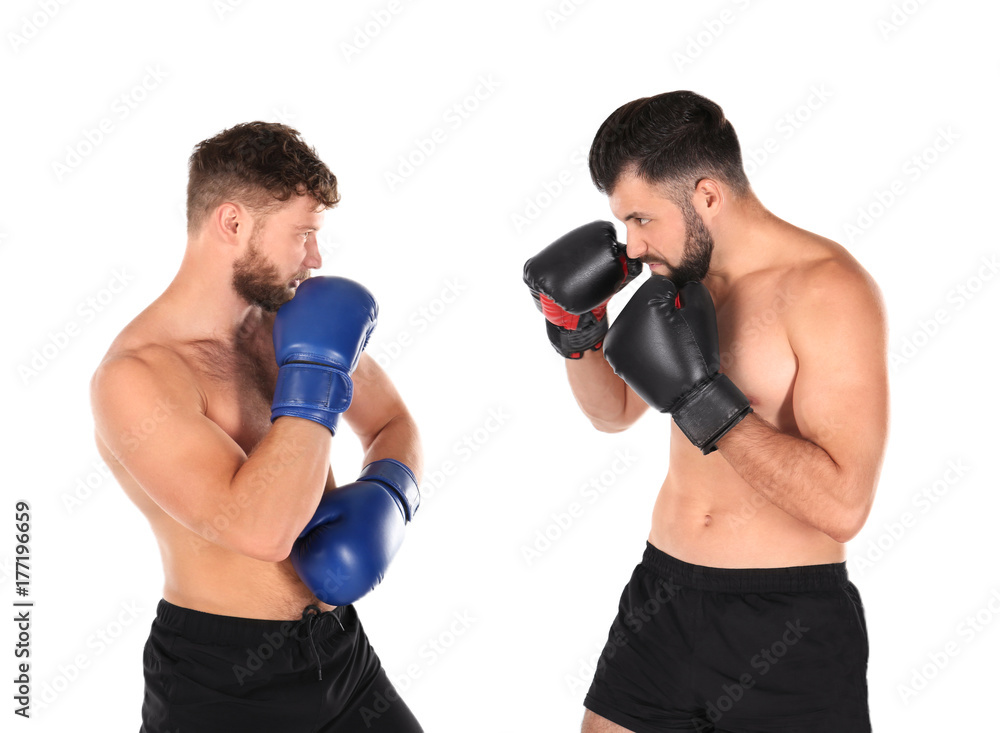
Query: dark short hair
x=672, y=140
x=258, y=164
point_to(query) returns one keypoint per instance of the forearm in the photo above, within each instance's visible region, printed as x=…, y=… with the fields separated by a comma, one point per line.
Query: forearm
x=794, y=474
x=279, y=486
x=600, y=393
x=398, y=439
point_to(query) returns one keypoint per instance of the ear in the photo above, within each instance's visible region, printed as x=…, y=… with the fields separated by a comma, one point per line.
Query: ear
x=709, y=198
x=231, y=222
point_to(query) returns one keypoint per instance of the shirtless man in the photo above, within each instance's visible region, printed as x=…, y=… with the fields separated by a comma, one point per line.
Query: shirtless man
x=255, y=631
x=740, y=616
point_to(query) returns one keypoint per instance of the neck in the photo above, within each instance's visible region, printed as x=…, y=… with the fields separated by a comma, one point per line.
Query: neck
x=746, y=240
x=201, y=296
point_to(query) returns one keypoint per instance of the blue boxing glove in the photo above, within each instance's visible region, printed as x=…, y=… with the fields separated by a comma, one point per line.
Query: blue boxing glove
x=318, y=338
x=347, y=546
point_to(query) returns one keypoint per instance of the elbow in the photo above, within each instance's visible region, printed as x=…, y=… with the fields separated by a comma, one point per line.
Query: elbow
x=843, y=533
x=615, y=420
x=848, y=524
x=616, y=424
x=277, y=548
x=607, y=427
x=271, y=547
x=274, y=553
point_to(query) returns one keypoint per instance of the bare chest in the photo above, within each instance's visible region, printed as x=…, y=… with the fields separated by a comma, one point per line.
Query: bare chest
x=755, y=353
x=239, y=385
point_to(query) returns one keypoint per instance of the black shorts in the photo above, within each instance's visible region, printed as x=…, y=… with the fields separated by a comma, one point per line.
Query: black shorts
x=206, y=672
x=711, y=649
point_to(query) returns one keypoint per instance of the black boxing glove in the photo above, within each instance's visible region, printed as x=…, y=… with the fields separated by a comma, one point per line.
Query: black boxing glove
x=572, y=281
x=665, y=345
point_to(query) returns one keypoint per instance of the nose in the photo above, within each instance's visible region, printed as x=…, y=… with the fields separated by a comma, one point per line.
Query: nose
x=635, y=247
x=313, y=260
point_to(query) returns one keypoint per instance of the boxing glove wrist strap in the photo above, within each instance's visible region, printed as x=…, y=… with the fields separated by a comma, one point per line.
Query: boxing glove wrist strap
x=315, y=391
x=589, y=334
x=399, y=478
x=711, y=411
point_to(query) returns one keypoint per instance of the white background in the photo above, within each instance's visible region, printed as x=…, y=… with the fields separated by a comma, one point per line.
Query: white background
x=885, y=80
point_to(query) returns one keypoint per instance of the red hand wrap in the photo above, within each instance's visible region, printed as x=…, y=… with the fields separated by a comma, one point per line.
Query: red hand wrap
x=556, y=315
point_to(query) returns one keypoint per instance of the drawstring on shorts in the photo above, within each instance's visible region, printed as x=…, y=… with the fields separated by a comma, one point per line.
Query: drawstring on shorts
x=311, y=615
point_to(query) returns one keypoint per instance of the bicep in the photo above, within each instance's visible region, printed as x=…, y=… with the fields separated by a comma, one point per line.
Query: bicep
x=840, y=395
x=375, y=402
x=157, y=430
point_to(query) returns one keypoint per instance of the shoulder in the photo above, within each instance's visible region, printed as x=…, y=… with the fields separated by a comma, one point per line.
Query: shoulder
x=137, y=370
x=828, y=285
x=152, y=346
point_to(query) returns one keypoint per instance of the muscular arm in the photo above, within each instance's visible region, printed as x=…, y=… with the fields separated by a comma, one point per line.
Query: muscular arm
x=380, y=419
x=826, y=476
x=151, y=416
x=602, y=395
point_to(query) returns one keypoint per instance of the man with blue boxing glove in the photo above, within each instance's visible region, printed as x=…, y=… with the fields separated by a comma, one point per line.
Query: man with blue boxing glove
x=345, y=548
x=215, y=409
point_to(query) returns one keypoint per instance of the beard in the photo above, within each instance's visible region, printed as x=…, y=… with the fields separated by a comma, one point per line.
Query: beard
x=698, y=246
x=257, y=280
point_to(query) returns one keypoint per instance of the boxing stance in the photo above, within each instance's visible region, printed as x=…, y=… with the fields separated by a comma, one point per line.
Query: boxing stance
x=766, y=346
x=215, y=408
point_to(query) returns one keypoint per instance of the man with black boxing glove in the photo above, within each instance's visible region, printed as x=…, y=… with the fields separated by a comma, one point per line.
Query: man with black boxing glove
x=766, y=345
x=215, y=408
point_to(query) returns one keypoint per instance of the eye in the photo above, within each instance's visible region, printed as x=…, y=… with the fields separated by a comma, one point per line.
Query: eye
x=642, y=222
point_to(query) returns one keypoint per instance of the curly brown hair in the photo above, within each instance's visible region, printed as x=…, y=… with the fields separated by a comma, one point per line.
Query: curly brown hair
x=257, y=164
